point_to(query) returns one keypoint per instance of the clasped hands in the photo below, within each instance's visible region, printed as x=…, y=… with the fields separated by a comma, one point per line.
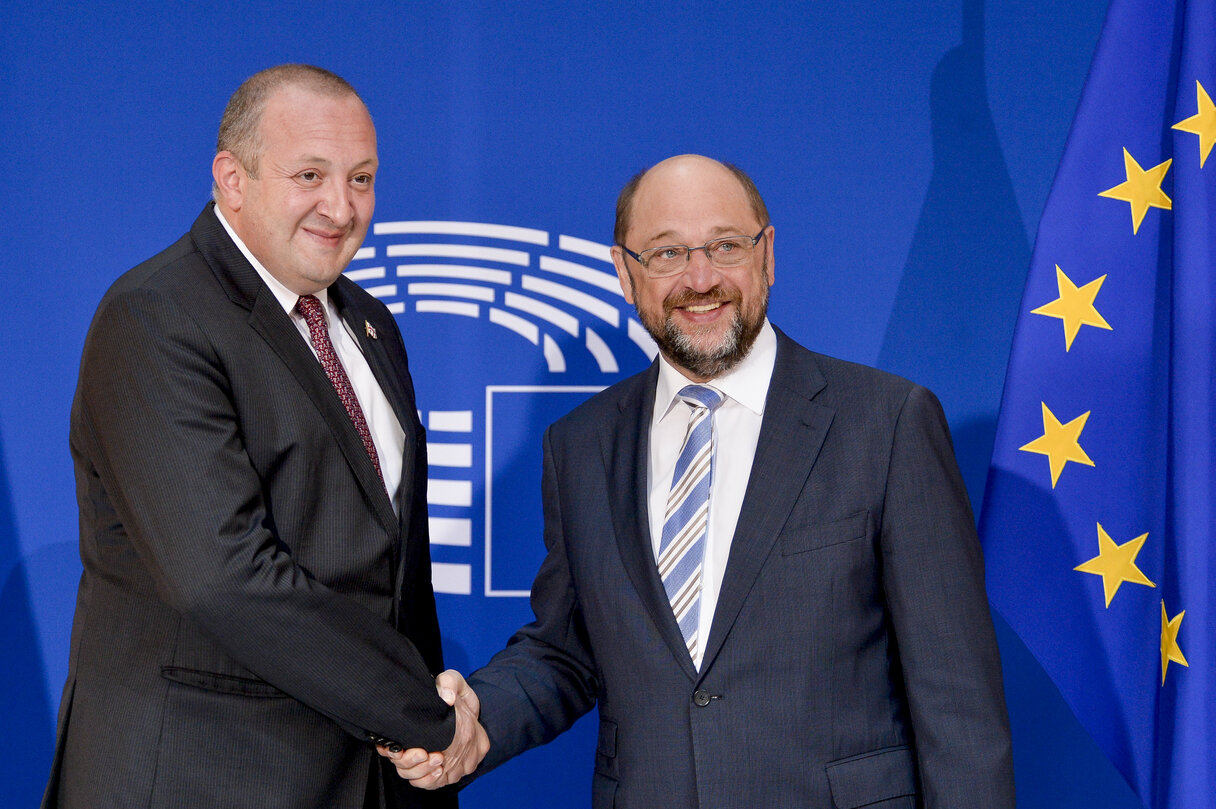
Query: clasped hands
x=469, y=746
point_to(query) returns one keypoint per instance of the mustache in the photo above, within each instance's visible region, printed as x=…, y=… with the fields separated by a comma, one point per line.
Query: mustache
x=688, y=297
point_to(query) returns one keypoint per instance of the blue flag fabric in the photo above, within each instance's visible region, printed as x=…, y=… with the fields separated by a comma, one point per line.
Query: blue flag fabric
x=1098, y=521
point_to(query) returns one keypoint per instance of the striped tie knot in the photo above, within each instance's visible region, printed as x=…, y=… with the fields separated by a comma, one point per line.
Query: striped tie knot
x=701, y=395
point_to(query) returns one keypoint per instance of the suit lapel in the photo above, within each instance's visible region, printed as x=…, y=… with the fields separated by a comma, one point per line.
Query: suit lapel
x=791, y=435
x=390, y=375
x=270, y=321
x=266, y=317
x=626, y=450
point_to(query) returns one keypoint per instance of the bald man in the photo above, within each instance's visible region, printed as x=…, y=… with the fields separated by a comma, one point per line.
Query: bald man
x=761, y=563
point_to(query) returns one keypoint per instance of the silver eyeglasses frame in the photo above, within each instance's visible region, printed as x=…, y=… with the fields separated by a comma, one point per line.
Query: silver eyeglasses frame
x=646, y=257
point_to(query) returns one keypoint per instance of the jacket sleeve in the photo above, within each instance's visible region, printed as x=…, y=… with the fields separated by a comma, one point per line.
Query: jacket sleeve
x=933, y=575
x=544, y=679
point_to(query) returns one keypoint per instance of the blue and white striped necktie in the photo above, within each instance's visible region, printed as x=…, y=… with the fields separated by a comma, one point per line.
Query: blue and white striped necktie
x=686, y=522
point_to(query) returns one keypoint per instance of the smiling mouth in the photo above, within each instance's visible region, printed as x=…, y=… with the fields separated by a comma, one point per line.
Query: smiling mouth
x=693, y=303
x=329, y=239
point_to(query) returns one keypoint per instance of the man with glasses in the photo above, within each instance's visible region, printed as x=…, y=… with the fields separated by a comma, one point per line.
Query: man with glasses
x=761, y=561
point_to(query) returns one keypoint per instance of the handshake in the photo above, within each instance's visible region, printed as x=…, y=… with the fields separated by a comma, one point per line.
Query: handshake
x=469, y=746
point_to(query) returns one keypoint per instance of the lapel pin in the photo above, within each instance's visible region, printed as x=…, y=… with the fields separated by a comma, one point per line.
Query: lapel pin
x=371, y=330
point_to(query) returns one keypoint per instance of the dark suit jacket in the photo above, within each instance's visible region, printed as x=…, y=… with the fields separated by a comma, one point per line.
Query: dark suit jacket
x=851, y=661
x=251, y=610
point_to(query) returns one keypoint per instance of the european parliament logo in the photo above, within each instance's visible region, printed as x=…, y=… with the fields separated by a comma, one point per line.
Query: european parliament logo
x=507, y=329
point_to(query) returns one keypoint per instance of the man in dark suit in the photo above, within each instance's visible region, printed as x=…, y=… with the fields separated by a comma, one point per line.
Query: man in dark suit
x=761, y=561
x=255, y=611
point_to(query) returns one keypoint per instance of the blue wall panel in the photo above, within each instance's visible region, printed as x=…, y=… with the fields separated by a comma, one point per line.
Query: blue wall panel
x=905, y=151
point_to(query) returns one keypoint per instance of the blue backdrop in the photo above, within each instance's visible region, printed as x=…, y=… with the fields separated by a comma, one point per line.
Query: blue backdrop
x=905, y=151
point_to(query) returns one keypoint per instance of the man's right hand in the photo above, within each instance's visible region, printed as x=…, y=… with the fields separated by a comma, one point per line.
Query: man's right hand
x=469, y=746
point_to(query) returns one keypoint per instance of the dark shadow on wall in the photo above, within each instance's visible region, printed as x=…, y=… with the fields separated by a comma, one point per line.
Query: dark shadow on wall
x=26, y=725
x=973, y=439
x=953, y=318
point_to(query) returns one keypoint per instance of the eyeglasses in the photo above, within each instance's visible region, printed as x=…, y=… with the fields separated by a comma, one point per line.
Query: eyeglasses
x=670, y=259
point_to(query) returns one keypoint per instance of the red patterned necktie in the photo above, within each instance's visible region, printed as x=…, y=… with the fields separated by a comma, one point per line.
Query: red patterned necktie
x=314, y=316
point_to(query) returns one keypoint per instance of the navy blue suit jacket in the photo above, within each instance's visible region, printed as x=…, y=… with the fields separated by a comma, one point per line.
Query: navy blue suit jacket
x=851, y=661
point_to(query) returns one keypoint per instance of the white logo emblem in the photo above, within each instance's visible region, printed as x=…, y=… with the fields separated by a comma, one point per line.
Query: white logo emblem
x=506, y=332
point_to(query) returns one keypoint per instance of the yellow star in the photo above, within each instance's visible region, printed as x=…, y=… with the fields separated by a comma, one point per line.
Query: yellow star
x=1075, y=306
x=1141, y=188
x=1115, y=563
x=1170, y=652
x=1060, y=442
x=1202, y=123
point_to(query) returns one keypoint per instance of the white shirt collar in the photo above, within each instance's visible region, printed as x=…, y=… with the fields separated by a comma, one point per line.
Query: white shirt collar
x=286, y=298
x=746, y=383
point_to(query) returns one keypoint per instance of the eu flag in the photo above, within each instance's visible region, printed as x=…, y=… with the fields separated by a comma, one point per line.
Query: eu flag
x=1098, y=521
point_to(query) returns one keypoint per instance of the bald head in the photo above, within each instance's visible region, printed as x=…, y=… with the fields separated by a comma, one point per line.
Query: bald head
x=679, y=173
x=705, y=314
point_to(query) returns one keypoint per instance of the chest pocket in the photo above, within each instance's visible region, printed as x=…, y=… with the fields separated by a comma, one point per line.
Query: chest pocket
x=814, y=537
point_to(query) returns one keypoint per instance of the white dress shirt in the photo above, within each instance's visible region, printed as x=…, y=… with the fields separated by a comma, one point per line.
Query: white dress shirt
x=387, y=435
x=736, y=431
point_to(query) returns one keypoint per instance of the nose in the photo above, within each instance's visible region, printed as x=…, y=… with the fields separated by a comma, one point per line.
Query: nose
x=336, y=204
x=700, y=274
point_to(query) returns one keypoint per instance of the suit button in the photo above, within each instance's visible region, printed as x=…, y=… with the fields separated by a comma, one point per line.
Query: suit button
x=383, y=741
x=700, y=698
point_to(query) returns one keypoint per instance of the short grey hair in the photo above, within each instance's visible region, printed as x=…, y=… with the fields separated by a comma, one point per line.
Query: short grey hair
x=240, y=127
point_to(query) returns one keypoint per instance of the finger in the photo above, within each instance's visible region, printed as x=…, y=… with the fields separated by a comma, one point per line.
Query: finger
x=447, y=685
x=431, y=767
x=470, y=699
x=434, y=780
x=452, y=680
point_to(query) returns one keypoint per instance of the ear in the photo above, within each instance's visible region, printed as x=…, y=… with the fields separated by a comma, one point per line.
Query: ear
x=622, y=273
x=768, y=246
x=230, y=179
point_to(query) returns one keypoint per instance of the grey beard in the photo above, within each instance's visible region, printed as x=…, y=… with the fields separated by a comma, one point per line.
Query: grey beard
x=737, y=342
x=680, y=349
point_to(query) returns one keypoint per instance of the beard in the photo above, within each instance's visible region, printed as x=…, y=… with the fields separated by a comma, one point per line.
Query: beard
x=685, y=349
